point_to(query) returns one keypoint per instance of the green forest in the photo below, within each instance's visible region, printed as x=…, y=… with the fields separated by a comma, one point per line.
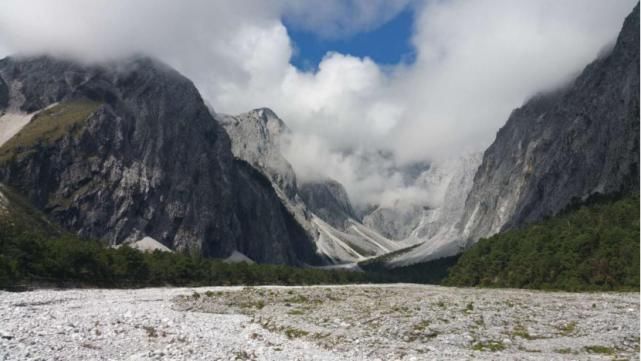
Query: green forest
x=36, y=253
x=588, y=247
x=31, y=260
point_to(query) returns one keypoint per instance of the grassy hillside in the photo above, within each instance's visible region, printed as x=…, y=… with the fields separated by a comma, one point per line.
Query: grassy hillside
x=48, y=126
x=593, y=246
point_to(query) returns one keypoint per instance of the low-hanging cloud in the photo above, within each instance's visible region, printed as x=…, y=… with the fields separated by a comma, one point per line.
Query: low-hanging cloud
x=475, y=62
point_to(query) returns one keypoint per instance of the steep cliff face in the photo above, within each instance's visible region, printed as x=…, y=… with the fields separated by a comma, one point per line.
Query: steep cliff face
x=563, y=145
x=4, y=95
x=328, y=200
x=129, y=150
x=395, y=221
x=262, y=132
x=322, y=208
x=437, y=231
x=447, y=182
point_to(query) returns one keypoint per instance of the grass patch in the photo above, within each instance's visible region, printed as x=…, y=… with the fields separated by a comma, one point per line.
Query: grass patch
x=292, y=332
x=49, y=126
x=469, y=307
x=296, y=299
x=151, y=332
x=568, y=328
x=421, y=326
x=492, y=346
x=604, y=350
x=259, y=305
x=520, y=331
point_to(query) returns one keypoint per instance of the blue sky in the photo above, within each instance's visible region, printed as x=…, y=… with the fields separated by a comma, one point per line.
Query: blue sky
x=389, y=43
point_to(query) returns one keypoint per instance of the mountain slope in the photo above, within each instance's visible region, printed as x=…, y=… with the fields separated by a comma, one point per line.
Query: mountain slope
x=328, y=199
x=593, y=247
x=563, y=145
x=438, y=227
x=128, y=150
x=321, y=207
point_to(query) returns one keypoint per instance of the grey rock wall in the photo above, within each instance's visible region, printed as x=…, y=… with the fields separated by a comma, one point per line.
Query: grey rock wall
x=563, y=145
x=150, y=161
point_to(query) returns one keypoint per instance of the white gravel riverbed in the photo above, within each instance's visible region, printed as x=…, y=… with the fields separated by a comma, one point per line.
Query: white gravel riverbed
x=389, y=322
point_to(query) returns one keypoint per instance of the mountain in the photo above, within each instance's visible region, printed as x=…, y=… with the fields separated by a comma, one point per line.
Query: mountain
x=395, y=221
x=587, y=247
x=563, y=145
x=321, y=207
x=14, y=209
x=437, y=232
x=558, y=149
x=128, y=150
x=263, y=132
x=328, y=199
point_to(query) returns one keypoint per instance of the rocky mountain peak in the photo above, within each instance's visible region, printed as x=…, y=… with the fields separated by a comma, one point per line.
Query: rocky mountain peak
x=563, y=146
x=129, y=150
x=328, y=199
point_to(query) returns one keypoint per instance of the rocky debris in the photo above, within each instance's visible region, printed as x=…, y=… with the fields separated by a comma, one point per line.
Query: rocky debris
x=133, y=325
x=237, y=257
x=141, y=156
x=412, y=322
x=386, y=322
x=148, y=244
x=10, y=124
x=563, y=145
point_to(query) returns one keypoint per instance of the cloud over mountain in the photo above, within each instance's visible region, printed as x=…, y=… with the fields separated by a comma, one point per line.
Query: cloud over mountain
x=475, y=62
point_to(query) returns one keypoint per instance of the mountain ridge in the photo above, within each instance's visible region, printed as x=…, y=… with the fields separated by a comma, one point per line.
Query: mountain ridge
x=566, y=144
x=149, y=160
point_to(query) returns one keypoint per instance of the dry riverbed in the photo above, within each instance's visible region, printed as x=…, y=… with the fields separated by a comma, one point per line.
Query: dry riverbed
x=389, y=322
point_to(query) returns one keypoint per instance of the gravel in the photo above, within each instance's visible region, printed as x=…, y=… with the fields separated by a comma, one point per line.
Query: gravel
x=385, y=322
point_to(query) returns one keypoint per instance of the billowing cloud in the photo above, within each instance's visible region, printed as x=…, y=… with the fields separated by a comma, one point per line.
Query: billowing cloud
x=476, y=61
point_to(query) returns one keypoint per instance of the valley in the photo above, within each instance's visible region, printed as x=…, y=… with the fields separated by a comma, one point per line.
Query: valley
x=141, y=221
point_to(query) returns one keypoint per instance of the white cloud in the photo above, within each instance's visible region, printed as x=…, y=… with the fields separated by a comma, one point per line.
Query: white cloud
x=476, y=61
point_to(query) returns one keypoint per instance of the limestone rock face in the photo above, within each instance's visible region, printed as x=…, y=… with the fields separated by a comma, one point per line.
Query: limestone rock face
x=396, y=221
x=328, y=200
x=262, y=132
x=321, y=207
x=563, y=145
x=4, y=95
x=129, y=150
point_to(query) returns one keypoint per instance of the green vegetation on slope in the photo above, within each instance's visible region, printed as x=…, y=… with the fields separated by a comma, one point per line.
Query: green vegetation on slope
x=34, y=252
x=433, y=272
x=593, y=246
x=590, y=247
x=49, y=126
